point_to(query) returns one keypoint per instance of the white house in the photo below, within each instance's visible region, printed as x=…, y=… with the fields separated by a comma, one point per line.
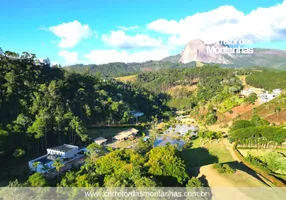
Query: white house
x=277, y=91
x=247, y=92
x=66, y=153
x=265, y=97
x=65, y=150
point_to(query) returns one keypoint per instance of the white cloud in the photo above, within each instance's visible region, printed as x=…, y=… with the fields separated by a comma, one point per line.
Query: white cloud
x=130, y=28
x=71, y=33
x=121, y=40
x=226, y=23
x=107, y=56
x=70, y=57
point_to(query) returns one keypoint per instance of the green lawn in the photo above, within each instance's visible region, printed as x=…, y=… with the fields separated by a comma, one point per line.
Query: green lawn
x=124, y=144
x=109, y=132
x=208, y=153
x=104, y=132
x=259, y=152
x=131, y=78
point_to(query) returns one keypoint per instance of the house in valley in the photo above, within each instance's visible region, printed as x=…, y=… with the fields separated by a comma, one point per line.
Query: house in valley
x=123, y=135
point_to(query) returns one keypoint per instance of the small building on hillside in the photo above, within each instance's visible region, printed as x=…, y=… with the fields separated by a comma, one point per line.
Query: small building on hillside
x=100, y=141
x=266, y=97
x=249, y=91
x=277, y=91
x=123, y=135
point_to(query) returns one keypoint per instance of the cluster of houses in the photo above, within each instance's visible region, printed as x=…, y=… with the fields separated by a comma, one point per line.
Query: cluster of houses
x=70, y=155
x=263, y=96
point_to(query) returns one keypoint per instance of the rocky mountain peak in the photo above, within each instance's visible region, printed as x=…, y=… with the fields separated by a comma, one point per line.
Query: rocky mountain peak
x=197, y=50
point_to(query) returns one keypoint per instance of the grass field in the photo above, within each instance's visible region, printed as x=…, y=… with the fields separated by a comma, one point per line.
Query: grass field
x=259, y=152
x=209, y=153
x=239, y=179
x=131, y=78
x=124, y=144
x=200, y=158
x=240, y=185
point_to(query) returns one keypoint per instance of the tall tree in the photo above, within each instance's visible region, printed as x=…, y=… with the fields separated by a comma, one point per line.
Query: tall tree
x=58, y=165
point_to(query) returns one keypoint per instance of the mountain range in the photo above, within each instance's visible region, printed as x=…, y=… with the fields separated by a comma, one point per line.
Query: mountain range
x=196, y=53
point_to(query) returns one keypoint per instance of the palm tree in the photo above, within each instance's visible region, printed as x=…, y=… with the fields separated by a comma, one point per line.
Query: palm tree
x=277, y=111
x=35, y=165
x=58, y=165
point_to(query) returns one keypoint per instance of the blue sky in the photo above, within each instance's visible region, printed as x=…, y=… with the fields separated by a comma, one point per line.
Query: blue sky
x=94, y=31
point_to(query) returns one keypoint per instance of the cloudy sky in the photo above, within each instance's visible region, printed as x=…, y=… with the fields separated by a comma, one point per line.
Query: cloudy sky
x=102, y=31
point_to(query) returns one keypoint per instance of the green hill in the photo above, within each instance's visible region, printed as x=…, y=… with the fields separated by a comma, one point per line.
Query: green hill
x=122, y=69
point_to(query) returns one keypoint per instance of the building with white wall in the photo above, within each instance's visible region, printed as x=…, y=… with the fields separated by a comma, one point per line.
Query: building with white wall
x=66, y=153
x=266, y=97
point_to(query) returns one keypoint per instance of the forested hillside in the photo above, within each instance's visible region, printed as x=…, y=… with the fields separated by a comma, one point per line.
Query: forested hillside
x=121, y=69
x=42, y=106
x=267, y=79
x=210, y=83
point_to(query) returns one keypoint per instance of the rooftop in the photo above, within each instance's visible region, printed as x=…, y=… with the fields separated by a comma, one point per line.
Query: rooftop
x=64, y=148
x=128, y=132
x=100, y=140
x=125, y=134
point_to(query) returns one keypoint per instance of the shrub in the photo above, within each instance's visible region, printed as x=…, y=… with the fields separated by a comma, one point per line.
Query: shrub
x=228, y=169
x=225, y=168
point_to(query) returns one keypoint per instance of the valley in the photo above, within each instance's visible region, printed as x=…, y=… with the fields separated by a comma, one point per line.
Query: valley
x=175, y=100
x=211, y=121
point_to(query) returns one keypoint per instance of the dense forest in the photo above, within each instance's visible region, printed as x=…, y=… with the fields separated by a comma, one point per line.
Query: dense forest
x=267, y=79
x=122, y=69
x=160, y=166
x=257, y=133
x=42, y=106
